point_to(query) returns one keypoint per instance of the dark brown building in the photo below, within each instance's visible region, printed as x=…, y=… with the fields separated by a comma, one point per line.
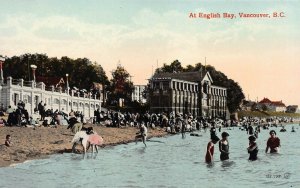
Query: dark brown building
x=187, y=92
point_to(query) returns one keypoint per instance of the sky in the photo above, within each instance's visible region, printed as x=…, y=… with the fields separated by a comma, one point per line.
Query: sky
x=261, y=54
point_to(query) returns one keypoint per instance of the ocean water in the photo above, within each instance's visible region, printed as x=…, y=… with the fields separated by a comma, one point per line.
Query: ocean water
x=166, y=162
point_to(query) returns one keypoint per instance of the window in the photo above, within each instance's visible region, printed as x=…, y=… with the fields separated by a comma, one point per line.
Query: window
x=64, y=101
x=155, y=85
x=205, y=86
x=165, y=85
x=56, y=101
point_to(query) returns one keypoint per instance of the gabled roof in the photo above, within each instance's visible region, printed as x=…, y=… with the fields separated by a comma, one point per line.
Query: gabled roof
x=275, y=103
x=196, y=76
x=278, y=103
x=265, y=101
x=48, y=81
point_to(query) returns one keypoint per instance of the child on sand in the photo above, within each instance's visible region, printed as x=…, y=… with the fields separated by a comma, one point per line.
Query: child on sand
x=253, y=148
x=210, y=149
x=8, y=140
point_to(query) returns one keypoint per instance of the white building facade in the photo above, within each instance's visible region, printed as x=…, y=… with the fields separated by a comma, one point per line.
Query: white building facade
x=137, y=94
x=31, y=93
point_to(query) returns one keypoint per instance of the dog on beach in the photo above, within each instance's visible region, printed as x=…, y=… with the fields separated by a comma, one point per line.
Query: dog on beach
x=80, y=137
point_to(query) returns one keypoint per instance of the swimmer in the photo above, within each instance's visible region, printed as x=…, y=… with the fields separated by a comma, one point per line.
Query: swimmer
x=142, y=134
x=293, y=129
x=253, y=148
x=273, y=143
x=224, y=147
x=210, y=149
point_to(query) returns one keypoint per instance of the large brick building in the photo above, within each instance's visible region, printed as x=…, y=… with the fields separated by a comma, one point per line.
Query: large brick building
x=187, y=92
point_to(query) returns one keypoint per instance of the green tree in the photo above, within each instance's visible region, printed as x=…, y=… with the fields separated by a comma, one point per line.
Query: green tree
x=82, y=72
x=175, y=66
x=120, y=86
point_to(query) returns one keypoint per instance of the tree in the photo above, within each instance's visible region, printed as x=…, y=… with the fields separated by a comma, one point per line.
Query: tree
x=121, y=86
x=82, y=72
x=175, y=66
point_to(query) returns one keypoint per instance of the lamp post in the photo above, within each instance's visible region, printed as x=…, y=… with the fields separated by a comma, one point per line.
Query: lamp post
x=67, y=80
x=1, y=71
x=33, y=67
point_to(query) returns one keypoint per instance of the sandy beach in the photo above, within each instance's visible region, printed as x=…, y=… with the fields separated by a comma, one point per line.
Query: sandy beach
x=29, y=143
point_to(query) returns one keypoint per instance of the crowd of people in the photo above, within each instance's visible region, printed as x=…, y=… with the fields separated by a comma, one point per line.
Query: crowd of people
x=20, y=116
x=172, y=122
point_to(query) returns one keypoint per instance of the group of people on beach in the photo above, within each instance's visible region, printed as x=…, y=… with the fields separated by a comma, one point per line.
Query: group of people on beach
x=182, y=121
x=273, y=145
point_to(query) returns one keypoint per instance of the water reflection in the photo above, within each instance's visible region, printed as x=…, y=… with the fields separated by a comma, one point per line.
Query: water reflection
x=142, y=150
x=227, y=164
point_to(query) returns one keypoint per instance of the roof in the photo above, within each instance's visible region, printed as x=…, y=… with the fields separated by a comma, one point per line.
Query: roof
x=275, y=103
x=196, y=76
x=292, y=106
x=48, y=81
x=265, y=100
x=278, y=103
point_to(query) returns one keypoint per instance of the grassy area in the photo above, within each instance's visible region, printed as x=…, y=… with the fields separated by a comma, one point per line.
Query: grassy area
x=266, y=114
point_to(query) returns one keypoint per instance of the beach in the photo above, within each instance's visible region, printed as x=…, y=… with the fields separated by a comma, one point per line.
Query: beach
x=36, y=143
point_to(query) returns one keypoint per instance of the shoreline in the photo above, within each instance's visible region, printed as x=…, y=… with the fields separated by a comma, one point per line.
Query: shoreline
x=41, y=142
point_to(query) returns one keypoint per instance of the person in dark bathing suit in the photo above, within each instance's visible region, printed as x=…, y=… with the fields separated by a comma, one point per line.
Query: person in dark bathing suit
x=253, y=148
x=224, y=147
x=210, y=149
x=273, y=143
x=183, y=129
x=250, y=130
x=212, y=132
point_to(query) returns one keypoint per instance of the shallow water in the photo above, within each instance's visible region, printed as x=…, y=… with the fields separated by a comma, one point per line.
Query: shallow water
x=166, y=162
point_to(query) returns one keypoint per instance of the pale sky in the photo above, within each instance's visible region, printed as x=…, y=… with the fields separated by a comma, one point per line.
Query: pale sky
x=261, y=54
